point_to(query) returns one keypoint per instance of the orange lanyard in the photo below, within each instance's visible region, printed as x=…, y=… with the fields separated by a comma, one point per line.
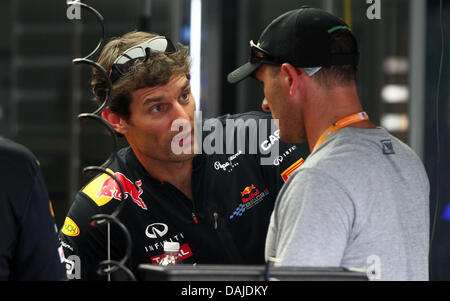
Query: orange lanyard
x=346, y=121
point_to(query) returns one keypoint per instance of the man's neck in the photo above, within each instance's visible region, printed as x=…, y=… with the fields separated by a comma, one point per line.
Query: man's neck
x=329, y=108
x=176, y=173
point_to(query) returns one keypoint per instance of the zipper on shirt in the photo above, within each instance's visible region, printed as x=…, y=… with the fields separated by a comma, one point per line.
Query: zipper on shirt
x=215, y=219
x=226, y=238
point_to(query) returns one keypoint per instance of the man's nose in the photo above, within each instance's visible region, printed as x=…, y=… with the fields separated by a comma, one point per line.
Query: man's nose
x=180, y=112
x=265, y=105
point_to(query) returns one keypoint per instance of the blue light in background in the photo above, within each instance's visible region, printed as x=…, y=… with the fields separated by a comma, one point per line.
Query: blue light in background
x=446, y=214
x=185, y=34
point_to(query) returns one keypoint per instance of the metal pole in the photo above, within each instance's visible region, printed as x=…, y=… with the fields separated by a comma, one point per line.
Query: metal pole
x=243, y=39
x=328, y=5
x=13, y=105
x=212, y=58
x=75, y=104
x=195, y=50
x=175, y=10
x=145, y=15
x=417, y=75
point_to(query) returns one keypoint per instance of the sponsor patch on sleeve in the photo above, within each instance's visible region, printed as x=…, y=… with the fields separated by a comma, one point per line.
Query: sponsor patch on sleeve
x=70, y=228
x=95, y=188
x=104, y=188
x=288, y=172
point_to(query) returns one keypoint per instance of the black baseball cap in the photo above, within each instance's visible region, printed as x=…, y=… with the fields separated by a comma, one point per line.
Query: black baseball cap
x=300, y=37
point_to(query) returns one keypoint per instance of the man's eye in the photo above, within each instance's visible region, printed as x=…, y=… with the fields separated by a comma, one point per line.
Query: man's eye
x=184, y=97
x=157, y=108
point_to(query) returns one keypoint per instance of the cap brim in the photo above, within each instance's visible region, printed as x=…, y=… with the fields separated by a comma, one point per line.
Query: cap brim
x=243, y=72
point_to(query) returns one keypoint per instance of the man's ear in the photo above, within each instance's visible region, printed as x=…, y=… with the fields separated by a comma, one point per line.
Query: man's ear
x=291, y=78
x=117, y=123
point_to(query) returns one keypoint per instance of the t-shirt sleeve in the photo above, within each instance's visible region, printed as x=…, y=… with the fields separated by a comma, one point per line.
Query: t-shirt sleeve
x=84, y=244
x=311, y=221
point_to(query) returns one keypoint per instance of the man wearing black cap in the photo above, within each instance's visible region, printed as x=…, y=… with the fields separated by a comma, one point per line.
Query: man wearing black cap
x=361, y=199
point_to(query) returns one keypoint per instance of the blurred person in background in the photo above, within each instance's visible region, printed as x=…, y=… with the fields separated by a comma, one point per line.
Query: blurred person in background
x=29, y=246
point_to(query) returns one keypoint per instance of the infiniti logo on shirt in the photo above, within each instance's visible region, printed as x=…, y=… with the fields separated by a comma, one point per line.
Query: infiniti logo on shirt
x=156, y=230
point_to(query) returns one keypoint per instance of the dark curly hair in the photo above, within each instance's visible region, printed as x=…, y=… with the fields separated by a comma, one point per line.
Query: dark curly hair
x=155, y=71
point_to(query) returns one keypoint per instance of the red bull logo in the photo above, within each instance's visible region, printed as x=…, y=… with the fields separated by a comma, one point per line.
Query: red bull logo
x=110, y=189
x=247, y=190
x=249, y=193
x=250, y=196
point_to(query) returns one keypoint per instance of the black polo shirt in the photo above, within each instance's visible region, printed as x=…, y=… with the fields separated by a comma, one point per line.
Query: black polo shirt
x=29, y=246
x=224, y=223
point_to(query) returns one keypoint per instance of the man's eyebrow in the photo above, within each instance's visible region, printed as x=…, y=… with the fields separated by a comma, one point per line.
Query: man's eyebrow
x=186, y=84
x=160, y=98
x=154, y=99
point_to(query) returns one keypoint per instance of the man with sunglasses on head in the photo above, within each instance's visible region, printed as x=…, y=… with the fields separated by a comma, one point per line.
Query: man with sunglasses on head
x=217, y=206
x=361, y=199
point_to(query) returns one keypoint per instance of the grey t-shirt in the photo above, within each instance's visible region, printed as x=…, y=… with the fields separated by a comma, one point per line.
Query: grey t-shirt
x=361, y=200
